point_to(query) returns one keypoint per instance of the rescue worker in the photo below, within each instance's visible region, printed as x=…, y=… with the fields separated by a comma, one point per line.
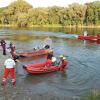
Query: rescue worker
x=50, y=55
x=64, y=63
x=85, y=33
x=12, y=49
x=3, y=44
x=48, y=43
x=54, y=60
x=9, y=68
x=49, y=62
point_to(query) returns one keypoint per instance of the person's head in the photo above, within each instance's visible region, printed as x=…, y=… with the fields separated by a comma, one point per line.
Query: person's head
x=64, y=58
x=50, y=55
x=53, y=59
x=61, y=56
x=3, y=40
x=11, y=42
x=47, y=46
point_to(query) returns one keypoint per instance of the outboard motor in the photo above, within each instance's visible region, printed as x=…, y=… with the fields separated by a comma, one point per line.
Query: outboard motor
x=47, y=47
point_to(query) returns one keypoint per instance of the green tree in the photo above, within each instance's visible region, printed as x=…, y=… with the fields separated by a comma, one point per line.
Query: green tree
x=91, y=16
x=77, y=12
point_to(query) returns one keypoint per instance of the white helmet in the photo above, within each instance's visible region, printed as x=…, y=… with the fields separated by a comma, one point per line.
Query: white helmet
x=53, y=59
x=64, y=58
x=61, y=56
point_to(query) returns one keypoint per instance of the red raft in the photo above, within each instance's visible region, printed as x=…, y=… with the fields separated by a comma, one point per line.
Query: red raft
x=88, y=37
x=40, y=68
x=91, y=38
x=95, y=40
x=35, y=53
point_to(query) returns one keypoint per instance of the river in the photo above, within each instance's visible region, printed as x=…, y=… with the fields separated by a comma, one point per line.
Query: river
x=82, y=75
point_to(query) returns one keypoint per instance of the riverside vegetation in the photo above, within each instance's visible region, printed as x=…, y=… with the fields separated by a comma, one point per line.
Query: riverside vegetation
x=20, y=13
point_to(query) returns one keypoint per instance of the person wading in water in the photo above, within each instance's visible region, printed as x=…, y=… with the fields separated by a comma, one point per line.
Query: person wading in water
x=12, y=49
x=64, y=63
x=3, y=44
x=9, y=68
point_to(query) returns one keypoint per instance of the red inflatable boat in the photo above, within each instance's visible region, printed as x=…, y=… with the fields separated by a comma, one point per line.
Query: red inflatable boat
x=91, y=38
x=88, y=37
x=95, y=40
x=35, y=53
x=39, y=68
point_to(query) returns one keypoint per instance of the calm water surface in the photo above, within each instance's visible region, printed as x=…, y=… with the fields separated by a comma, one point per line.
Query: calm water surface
x=83, y=72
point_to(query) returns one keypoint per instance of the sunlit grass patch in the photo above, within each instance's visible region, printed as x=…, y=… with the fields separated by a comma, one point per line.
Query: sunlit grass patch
x=92, y=95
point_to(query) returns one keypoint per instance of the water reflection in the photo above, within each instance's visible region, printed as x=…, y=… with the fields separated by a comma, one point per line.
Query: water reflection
x=83, y=71
x=63, y=74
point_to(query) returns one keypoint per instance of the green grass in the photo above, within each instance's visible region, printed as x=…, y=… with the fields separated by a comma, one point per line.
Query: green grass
x=92, y=95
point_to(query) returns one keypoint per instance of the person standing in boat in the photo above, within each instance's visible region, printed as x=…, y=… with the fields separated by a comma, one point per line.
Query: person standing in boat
x=12, y=49
x=9, y=68
x=64, y=62
x=48, y=43
x=3, y=45
x=85, y=33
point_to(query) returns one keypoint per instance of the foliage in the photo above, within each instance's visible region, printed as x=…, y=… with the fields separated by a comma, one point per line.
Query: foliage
x=92, y=95
x=22, y=14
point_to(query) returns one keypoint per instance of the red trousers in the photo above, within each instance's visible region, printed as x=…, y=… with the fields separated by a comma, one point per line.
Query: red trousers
x=11, y=71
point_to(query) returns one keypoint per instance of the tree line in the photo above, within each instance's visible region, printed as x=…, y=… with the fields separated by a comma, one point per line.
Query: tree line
x=22, y=14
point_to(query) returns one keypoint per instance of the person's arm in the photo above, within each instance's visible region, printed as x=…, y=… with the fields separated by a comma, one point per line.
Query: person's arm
x=14, y=63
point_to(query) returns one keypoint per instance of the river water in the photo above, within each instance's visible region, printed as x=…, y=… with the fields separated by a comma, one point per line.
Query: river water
x=82, y=75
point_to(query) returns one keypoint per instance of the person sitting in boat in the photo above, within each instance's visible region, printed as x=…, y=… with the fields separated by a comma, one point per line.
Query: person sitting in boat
x=64, y=62
x=49, y=62
x=50, y=55
x=54, y=60
x=85, y=33
x=48, y=43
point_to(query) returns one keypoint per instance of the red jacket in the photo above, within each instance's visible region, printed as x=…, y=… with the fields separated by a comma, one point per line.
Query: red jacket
x=48, y=63
x=64, y=63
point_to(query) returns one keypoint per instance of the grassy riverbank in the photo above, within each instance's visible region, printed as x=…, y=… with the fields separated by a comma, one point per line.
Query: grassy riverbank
x=92, y=95
x=53, y=26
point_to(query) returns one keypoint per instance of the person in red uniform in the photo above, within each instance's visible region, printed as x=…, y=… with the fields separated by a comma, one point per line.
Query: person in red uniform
x=49, y=62
x=64, y=63
x=12, y=49
x=9, y=68
x=3, y=44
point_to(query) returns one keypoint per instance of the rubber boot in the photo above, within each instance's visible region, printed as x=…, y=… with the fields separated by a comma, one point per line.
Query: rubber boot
x=13, y=81
x=3, y=82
